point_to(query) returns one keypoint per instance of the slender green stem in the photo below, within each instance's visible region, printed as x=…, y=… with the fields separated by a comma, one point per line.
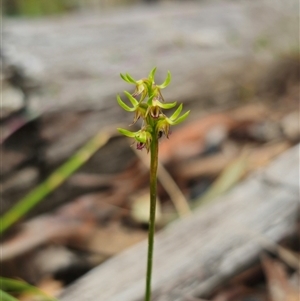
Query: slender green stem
x=153, y=184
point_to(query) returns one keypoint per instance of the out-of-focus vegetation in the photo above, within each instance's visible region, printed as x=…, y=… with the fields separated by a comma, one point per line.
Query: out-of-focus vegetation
x=45, y=7
x=54, y=181
x=10, y=287
x=36, y=7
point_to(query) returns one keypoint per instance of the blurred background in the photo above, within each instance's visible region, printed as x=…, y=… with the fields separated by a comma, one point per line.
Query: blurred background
x=82, y=188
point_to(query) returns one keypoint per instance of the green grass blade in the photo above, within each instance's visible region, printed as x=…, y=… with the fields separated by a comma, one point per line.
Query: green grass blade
x=18, y=287
x=6, y=297
x=53, y=181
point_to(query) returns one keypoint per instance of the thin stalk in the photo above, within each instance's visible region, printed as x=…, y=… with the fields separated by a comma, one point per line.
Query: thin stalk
x=153, y=187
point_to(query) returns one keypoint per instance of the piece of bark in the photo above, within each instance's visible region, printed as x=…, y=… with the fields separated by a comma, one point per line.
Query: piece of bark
x=195, y=255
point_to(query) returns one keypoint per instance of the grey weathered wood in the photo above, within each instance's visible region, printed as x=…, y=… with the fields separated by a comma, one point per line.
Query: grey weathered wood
x=210, y=47
x=195, y=254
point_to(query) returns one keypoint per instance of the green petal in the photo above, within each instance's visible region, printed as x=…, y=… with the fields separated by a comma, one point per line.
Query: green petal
x=181, y=118
x=123, y=105
x=176, y=113
x=166, y=82
x=127, y=133
x=152, y=74
x=124, y=77
x=131, y=98
x=167, y=105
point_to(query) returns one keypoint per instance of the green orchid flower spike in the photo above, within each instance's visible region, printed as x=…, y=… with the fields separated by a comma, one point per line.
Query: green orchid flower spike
x=150, y=108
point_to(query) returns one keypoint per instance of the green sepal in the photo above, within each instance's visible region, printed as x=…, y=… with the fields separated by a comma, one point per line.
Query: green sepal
x=152, y=74
x=167, y=105
x=166, y=82
x=176, y=113
x=124, y=77
x=127, y=133
x=132, y=99
x=181, y=118
x=127, y=78
x=174, y=118
x=131, y=79
x=123, y=105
